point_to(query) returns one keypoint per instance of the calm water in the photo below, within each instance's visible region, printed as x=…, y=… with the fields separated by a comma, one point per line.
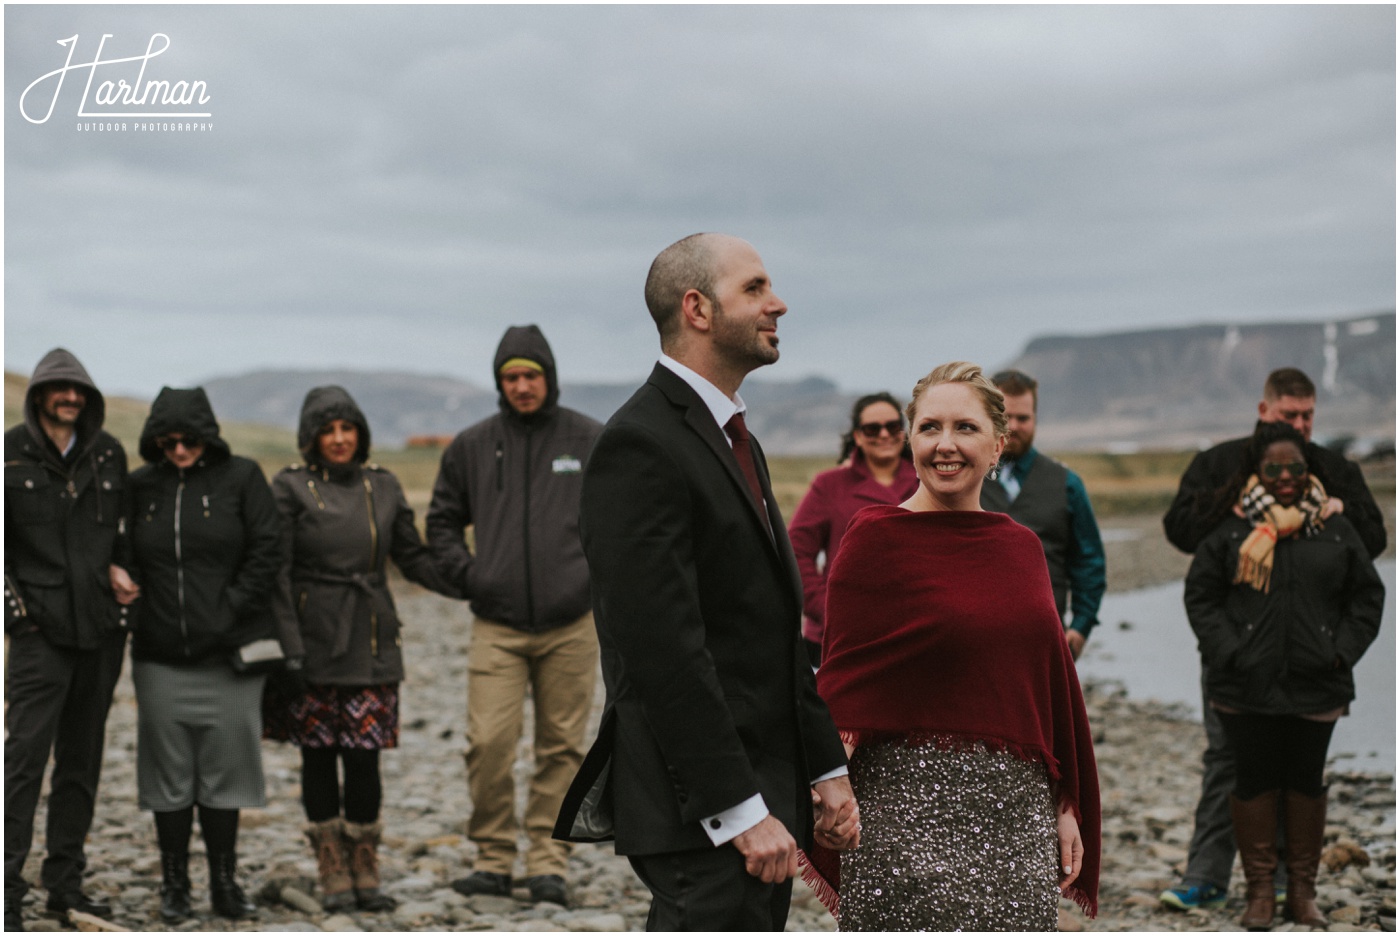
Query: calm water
x=1155, y=658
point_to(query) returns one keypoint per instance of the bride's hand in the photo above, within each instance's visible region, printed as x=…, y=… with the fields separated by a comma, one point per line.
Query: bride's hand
x=1071, y=848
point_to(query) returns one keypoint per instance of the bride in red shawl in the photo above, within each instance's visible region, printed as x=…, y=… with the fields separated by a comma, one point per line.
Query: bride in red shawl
x=946, y=669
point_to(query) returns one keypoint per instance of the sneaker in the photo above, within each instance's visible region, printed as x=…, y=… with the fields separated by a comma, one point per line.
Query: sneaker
x=483, y=882
x=1200, y=896
x=548, y=888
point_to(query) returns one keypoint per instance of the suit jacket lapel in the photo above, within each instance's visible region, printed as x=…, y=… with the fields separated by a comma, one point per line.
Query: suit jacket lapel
x=700, y=419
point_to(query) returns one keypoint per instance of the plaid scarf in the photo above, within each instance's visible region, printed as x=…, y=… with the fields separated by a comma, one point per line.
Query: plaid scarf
x=1272, y=521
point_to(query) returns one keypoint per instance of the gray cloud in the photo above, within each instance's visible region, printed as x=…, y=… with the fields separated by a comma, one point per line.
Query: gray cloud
x=391, y=187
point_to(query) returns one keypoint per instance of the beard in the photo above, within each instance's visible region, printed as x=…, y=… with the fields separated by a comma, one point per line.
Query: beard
x=742, y=341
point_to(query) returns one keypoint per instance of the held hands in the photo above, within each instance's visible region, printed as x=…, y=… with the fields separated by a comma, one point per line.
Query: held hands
x=1071, y=848
x=837, y=815
x=1333, y=506
x=1076, y=643
x=770, y=853
x=123, y=588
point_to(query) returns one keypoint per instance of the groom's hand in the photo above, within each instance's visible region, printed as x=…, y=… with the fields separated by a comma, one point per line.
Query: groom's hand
x=770, y=853
x=837, y=815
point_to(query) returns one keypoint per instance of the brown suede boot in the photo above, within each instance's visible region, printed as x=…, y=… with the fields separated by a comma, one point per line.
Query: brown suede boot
x=332, y=869
x=1256, y=829
x=362, y=841
x=1303, y=820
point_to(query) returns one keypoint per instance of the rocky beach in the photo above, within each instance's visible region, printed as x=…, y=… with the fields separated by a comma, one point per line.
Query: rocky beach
x=1149, y=763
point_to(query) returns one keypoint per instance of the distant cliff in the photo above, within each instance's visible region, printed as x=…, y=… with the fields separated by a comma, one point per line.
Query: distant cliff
x=1179, y=387
x=1182, y=386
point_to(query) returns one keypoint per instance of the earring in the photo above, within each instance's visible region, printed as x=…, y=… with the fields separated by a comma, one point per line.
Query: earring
x=993, y=473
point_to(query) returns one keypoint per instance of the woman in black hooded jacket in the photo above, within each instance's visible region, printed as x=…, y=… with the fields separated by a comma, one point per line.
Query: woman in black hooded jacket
x=345, y=519
x=204, y=534
x=1284, y=600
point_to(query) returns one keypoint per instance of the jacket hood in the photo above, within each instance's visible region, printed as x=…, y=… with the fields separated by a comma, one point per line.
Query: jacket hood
x=60, y=364
x=184, y=411
x=526, y=341
x=323, y=404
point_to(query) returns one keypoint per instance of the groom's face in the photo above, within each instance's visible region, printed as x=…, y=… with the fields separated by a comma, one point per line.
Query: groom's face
x=745, y=308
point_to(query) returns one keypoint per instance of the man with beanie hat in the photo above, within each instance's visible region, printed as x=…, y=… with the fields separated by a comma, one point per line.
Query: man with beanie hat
x=515, y=478
x=65, y=504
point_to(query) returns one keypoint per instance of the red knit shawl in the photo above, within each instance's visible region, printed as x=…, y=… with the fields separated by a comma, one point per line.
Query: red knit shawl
x=941, y=626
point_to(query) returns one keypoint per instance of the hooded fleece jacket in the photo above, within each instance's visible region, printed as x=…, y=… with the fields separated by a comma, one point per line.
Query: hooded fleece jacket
x=517, y=479
x=204, y=540
x=63, y=518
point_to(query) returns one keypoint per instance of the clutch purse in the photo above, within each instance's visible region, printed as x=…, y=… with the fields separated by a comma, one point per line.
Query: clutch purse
x=259, y=656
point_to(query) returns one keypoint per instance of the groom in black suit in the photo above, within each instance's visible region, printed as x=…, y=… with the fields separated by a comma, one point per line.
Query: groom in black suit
x=716, y=757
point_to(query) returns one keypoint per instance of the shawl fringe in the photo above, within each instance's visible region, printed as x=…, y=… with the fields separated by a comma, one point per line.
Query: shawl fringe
x=819, y=884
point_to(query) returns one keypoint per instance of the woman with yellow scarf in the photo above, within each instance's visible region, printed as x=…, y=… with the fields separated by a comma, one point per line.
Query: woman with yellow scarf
x=1284, y=600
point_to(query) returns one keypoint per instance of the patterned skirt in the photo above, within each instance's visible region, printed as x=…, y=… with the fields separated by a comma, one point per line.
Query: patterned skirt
x=364, y=717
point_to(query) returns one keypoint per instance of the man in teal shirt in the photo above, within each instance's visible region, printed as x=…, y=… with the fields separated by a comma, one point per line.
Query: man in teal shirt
x=1042, y=494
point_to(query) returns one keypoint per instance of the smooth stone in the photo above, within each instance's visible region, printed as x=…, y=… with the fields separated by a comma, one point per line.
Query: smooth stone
x=44, y=926
x=340, y=923
x=417, y=913
x=290, y=926
x=600, y=923
x=299, y=900
x=136, y=895
x=1140, y=899
x=1345, y=915
x=493, y=903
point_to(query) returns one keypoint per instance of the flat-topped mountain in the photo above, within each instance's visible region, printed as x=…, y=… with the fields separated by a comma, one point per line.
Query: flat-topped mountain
x=1160, y=388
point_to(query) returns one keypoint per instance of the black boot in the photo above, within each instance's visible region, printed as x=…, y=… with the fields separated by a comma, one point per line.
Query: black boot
x=174, y=886
x=225, y=895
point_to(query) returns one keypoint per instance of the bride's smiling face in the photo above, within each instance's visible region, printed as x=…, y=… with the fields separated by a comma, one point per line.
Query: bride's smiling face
x=954, y=444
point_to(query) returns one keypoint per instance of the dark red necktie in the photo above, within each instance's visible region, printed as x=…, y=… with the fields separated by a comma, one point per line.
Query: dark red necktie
x=739, y=435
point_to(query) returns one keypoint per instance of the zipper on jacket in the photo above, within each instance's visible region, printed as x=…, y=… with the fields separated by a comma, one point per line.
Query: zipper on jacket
x=315, y=493
x=180, y=564
x=373, y=556
x=529, y=590
x=500, y=468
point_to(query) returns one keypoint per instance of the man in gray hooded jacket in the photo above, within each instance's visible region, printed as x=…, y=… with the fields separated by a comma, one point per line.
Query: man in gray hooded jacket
x=65, y=500
x=515, y=478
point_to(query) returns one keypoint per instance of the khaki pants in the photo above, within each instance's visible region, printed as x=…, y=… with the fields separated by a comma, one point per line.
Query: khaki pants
x=560, y=668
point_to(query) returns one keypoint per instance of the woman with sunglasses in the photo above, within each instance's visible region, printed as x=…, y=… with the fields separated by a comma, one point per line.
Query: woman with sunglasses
x=204, y=536
x=1284, y=600
x=874, y=468
x=345, y=519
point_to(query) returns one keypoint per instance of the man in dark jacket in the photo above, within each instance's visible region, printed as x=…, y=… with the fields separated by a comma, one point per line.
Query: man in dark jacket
x=515, y=479
x=1289, y=396
x=65, y=500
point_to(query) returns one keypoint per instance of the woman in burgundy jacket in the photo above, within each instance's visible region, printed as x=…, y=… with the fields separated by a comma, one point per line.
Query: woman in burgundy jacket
x=874, y=469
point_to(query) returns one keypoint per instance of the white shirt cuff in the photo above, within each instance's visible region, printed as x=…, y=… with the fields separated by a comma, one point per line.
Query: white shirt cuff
x=833, y=774
x=736, y=820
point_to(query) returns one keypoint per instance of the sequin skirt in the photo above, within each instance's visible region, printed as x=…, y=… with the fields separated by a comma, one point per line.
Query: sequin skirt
x=364, y=717
x=950, y=840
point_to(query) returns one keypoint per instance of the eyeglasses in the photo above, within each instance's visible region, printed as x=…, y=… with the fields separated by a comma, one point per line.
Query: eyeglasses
x=872, y=430
x=1272, y=470
x=171, y=443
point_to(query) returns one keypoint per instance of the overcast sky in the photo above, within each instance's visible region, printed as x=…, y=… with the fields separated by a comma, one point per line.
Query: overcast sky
x=390, y=187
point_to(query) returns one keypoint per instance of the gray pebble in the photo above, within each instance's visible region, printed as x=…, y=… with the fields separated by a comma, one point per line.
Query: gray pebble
x=340, y=923
x=299, y=900
x=599, y=923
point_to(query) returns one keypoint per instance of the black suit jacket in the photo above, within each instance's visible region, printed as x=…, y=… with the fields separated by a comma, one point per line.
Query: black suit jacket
x=698, y=609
